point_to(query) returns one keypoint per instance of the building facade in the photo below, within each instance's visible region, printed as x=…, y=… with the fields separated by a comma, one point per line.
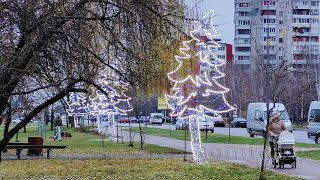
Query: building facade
x=276, y=32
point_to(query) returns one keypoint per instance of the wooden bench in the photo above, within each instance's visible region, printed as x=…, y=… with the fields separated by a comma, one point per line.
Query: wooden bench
x=20, y=147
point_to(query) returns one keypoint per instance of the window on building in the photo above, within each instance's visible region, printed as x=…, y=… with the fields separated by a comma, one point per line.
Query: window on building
x=280, y=40
x=268, y=21
x=268, y=12
x=272, y=30
x=314, y=3
x=268, y=3
x=221, y=48
x=222, y=56
x=243, y=13
x=314, y=12
x=314, y=20
x=243, y=58
x=244, y=31
x=301, y=20
x=271, y=48
x=243, y=22
x=280, y=13
x=244, y=5
x=314, y=29
x=272, y=38
x=242, y=40
x=298, y=57
x=242, y=49
x=270, y=56
x=301, y=12
x=281, y=4
x=314, y=39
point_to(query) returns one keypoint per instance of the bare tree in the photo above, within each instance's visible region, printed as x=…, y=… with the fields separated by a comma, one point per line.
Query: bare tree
x=55, y=45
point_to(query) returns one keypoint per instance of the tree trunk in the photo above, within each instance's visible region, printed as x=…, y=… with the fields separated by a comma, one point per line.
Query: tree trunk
x=198, y=154
x=51, y=119
x=8, y=121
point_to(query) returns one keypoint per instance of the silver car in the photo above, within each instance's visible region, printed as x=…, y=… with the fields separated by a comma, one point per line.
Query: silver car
x=314, y=122
x=206, y=125
x=182, y=124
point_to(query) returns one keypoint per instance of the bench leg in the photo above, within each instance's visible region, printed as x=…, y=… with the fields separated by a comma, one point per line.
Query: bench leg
x=49, y=151
x=19, y=153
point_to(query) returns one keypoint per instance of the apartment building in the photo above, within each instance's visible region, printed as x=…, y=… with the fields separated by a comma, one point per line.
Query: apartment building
x=224, y=52
x=276, y=31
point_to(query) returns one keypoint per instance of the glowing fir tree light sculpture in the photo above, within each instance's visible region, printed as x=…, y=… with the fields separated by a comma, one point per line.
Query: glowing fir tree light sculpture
x=112, y=104
x=121, y=104
x=77, y=106
x=196, y=91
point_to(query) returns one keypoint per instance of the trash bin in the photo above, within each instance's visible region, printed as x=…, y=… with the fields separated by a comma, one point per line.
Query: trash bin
x=35, y=141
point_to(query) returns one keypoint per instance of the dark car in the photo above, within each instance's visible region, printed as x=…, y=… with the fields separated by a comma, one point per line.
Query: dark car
x=218, y=122
x=239, y=122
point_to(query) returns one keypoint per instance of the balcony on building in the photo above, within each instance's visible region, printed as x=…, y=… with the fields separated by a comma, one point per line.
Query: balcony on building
x=269, y=12
x=271, y=5
x=301, y=11
x=300, y=6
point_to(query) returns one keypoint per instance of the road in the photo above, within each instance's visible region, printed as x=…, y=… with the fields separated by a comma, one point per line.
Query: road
x=300, y=135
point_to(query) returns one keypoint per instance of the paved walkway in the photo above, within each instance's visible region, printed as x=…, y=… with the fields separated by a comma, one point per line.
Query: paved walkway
x=250, y=155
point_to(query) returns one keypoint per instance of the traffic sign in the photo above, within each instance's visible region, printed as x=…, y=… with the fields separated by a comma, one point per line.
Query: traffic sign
x=162, y=103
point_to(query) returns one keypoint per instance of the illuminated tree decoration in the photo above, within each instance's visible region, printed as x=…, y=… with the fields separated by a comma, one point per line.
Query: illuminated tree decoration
x=119, y=102
x=110, y=104
x=76, y=106
x=196, y=91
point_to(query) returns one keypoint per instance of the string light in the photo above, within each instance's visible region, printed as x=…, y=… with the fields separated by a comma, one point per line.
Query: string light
x=113, y=104
x=200, y=85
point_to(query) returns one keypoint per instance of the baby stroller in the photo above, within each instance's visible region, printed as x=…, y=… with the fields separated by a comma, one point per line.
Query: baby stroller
x=283, y=150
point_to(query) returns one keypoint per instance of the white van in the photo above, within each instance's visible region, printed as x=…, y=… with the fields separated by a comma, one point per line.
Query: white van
x=257, y=117
x=314, y=121
x=156, y=118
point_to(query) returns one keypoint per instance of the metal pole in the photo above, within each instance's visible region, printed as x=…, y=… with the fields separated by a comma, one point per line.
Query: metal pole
x=229, y=129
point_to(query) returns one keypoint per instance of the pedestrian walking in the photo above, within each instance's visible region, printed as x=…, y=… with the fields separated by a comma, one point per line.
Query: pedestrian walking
x=57, y=123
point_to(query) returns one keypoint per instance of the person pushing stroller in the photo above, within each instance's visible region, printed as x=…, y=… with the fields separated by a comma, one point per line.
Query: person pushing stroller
x=276, y=126
x=281, y=143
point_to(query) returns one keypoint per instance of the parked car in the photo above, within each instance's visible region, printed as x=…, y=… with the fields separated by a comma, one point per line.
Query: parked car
x=124, y=119
x=16, y=120
x=314, y=121
x=156, y=118
x=218, y=122
x=206, y=124
x=239, y=122
x=133, y=119
x=182, y=124
x=144, y=119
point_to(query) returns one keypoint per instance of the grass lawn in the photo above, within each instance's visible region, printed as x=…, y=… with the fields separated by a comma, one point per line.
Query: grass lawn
x=117, y=167
x=88, y=143
x=315, y=155
x=126, y=169
x=212, y=138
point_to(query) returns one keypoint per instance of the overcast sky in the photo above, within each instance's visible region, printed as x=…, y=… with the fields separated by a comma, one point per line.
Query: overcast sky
x=224, y=9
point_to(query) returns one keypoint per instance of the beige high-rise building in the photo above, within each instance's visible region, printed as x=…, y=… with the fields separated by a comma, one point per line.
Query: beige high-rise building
x=276, y=32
